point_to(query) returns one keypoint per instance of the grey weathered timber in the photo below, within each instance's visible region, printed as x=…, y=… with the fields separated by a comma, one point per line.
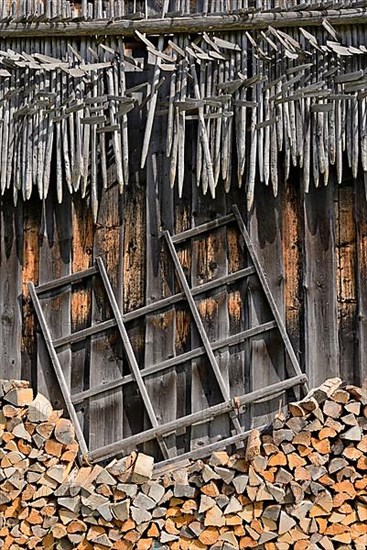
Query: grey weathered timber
x=10, y=289
x=295, y=368
x=319, y=280
x=193, y=24
x=54, y=261
x=58, y=369
x=200, y=416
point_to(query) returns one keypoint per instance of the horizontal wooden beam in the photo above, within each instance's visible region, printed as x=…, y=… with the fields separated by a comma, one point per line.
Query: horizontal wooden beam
x=186, y=24
x=65, y=281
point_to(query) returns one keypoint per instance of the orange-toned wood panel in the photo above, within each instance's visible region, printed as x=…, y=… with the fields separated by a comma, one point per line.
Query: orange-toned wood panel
x=133, y=262
x=30, y=269
x=346, y=281
x=81, y=300
x=292, y=261
x=82, y=258
x=106, y=359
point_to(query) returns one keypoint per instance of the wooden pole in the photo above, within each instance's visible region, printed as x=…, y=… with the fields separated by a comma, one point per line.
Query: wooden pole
x=192, y=24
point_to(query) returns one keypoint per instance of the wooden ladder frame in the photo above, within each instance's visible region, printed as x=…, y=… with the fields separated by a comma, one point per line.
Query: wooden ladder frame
x=229, y=405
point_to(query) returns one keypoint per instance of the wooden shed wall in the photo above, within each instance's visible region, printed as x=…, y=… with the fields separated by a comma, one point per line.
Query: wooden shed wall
x=313, y=249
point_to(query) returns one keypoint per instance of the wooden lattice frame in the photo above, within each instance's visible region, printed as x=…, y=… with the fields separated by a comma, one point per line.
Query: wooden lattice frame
x=229, y=405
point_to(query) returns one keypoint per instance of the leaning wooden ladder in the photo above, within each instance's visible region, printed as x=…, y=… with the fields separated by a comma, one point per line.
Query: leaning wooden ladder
x=228, y=406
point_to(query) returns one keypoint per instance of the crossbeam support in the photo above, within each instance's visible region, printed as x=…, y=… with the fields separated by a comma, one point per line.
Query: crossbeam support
x=193, y=24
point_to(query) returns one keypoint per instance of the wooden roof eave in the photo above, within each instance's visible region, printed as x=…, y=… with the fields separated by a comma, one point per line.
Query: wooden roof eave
x=183, y=24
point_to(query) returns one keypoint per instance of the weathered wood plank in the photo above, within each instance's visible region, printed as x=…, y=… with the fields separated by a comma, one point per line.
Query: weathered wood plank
x=208, y=262
x=31, y=230
x=346, y=282
x=133, y=263
x=159, y=328
x=182, y=221
x=319, y=280
x=238, y=376
x=292, y=238
x=11, y=250
x=267, y=355
x=193, y=24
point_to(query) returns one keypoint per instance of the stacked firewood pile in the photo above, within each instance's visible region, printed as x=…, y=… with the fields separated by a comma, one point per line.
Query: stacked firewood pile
x=302, y=484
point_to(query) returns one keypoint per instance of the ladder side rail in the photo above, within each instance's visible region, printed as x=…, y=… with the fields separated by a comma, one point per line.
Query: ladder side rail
x=58, y=370
x=130, y=353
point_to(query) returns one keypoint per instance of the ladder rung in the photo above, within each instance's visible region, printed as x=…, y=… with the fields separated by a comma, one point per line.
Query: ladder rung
x=225, y=280
x=244, y=335
x=175, y=361
x=195, y=291
x=83, y=334
x=67, y=280
x=219, y=222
